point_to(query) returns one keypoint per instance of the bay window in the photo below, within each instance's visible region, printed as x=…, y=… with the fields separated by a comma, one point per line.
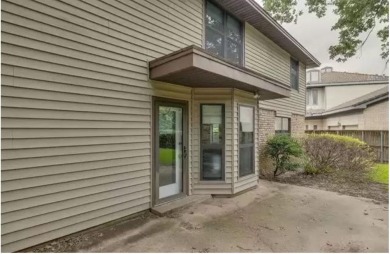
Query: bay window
x=246, y=147
x=212, y=141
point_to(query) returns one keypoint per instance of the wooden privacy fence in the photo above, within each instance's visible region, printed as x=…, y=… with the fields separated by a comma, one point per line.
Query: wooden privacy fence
x=378, y=140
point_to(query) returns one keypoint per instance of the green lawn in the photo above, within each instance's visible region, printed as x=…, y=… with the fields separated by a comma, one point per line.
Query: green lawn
x=167, y=156
x=380, y=173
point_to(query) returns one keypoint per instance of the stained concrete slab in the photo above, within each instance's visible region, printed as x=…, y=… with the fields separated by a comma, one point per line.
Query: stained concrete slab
x=169, y=207
x=272, y=218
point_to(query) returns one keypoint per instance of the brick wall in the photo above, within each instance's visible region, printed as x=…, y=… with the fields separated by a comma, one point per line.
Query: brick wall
x=297, y=125
x=266, y=129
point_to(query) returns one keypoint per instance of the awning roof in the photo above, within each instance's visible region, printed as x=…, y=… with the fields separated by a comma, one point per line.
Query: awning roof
x=194, y=67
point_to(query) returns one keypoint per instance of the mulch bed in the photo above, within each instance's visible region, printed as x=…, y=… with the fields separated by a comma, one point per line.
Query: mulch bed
x=354, y=184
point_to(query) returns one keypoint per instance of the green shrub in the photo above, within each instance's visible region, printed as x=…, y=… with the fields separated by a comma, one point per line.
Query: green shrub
x=281, y=149
x=310, y=169
x=333, y=152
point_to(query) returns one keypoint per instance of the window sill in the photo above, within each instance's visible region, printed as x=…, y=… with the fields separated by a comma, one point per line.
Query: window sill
x=211, y=182
x=294, y=91
x=242, y=178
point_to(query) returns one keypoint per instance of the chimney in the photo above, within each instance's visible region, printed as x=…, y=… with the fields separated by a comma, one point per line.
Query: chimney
x=327, y=69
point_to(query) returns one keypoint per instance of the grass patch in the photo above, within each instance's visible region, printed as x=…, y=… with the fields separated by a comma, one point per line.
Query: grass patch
x=167, y=156
x=380, y=173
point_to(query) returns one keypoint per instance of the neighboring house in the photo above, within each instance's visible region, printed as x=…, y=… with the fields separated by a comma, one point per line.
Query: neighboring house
x=346, y=101
x=112, y=107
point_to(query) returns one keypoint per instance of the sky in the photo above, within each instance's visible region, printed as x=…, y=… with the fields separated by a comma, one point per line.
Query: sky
x=316, y=36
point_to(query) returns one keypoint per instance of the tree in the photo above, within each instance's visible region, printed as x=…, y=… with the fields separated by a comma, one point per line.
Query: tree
x=356, y=17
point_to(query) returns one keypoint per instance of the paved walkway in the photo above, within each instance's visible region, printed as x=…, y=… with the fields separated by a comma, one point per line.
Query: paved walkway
x=273, y=218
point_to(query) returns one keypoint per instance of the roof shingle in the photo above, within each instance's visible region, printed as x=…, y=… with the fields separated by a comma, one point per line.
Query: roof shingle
x=342, y=77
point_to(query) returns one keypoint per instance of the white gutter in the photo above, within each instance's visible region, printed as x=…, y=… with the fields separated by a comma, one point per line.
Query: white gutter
x=373, y=82
x=341, y=110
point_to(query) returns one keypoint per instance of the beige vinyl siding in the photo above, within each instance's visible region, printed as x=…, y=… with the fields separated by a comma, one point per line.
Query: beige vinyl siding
x=264, y=56
x=245, y=182
x=76, y=110
x=212, y=96
x=171, y=91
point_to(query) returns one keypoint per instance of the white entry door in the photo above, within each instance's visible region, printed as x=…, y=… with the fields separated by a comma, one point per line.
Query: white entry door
x=170, y=149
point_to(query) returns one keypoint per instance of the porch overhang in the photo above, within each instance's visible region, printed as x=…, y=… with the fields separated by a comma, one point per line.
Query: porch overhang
x=194, y=67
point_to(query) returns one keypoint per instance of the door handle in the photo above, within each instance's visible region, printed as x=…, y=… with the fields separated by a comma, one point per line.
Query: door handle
x=184, y=152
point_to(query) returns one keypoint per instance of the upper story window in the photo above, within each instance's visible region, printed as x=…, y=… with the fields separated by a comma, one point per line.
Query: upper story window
x=313, y=76
x=223, y=34
x=294, y=74
x=312, y=97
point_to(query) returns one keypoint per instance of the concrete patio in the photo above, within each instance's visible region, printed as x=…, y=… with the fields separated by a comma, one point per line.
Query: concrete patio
x=272, y=218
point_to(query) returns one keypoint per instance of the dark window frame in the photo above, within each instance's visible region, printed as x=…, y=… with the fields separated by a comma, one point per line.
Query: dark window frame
x=202, y=146
x=294, y=80
x=283, y=131
x=253, y=144
x=224, y=35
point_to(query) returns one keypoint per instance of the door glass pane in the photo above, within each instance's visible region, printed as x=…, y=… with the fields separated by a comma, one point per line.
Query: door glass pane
x=170, y=146
x=214, y=42
x=214, y=17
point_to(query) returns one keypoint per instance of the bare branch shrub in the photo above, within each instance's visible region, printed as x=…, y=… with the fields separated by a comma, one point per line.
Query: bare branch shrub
x=334, y=152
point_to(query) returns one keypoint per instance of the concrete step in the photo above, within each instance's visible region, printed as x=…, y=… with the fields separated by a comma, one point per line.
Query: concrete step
x=169, y=207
